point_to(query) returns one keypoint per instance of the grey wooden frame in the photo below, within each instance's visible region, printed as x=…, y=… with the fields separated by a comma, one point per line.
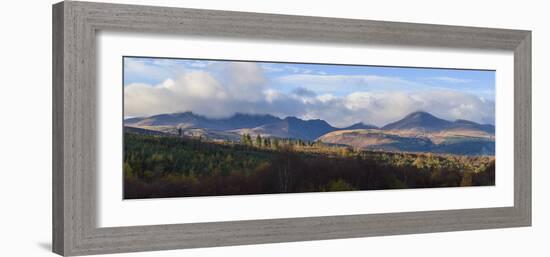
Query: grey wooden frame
x=75, y=25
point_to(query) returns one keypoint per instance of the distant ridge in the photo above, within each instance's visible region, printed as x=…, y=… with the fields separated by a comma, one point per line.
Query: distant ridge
x=421, y=132
x=416, y=120
x=466, y=124
x=417, y=132
x=191, y=120
x=419, y=120
x=360, y=125
x=268, y=125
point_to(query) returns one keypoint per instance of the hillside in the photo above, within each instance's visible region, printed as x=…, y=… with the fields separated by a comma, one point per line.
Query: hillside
x=168, y=166
x=360, y=125
x=191, y=120
x=463, y=142
x=291, y=127
x=420, y=121
x=416, y=132
x=234, y=126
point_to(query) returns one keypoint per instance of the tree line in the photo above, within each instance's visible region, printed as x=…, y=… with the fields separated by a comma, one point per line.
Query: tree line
x=158, y=166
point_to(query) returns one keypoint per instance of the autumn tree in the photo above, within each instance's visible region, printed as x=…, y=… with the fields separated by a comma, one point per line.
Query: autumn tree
x=276, y=143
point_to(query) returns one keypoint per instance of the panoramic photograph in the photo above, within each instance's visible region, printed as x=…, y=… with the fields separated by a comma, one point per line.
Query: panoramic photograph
x=197, y=127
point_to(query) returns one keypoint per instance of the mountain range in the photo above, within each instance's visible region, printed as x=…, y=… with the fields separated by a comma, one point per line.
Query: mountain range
x=418, y=131
x=254, y=124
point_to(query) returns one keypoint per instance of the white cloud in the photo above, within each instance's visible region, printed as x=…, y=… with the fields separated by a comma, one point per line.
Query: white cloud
x=326, y=98
x=198, y=84
x=383, y=107
x=451, y=79
x=335, y=79
x=347, y=83
x=245, y=80
x=200, y=92
x=243, y=87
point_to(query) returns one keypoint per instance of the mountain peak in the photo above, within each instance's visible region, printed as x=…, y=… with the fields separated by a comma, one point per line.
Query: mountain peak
x=419, y=114
x=296, y=119
x=291, y=118
x=419, y=120
x=360, y=125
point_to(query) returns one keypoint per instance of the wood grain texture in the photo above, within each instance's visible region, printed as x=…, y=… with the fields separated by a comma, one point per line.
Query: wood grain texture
x=75, y=25
x=58, y=229
x=522, y=128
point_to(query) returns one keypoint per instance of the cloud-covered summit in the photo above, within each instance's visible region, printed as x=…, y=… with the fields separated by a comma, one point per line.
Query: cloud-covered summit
x=341, y=95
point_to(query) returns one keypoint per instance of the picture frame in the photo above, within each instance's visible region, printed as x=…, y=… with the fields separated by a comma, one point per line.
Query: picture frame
x=75, y=25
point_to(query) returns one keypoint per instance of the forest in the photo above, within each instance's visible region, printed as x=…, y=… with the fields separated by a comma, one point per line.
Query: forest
x=157, y=166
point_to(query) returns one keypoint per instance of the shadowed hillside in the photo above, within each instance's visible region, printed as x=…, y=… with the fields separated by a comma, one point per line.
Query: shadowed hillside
x=416, y=132
x=170, y=166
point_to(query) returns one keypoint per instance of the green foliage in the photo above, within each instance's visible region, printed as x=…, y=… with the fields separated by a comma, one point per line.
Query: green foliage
x=168, y=155
x=164, y=166
x=339, y=185
x=127, y=169
x=246, y=139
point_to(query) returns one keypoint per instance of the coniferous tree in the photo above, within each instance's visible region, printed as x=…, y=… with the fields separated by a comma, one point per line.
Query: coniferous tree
x=243, y=139
x=258, y=140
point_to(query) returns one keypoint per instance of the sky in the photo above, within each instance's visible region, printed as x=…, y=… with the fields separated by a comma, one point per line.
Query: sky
x=339, y=94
